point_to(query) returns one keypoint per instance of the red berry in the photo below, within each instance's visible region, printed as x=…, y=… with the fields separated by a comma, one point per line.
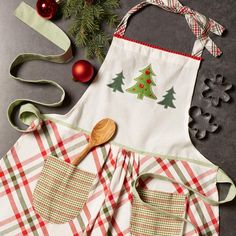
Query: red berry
x=147, y=72
x=148, y=81
x=141, y=85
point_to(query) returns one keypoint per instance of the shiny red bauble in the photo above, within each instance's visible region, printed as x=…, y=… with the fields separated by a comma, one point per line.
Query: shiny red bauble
x=47, y=8
x=82, y=71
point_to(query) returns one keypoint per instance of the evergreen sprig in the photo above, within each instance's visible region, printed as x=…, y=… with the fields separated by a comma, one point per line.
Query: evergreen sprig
x=89, y=19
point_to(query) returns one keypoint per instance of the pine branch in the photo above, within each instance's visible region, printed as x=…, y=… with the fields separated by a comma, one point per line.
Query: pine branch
x=88, y=23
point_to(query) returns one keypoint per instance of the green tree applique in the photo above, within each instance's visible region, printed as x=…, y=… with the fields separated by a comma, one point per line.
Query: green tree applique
x=168, y=99
x=144, y=83
x=117, y=83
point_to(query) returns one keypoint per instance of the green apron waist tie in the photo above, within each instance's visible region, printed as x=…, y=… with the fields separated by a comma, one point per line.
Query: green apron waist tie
x=28, y=112
x=221, y=178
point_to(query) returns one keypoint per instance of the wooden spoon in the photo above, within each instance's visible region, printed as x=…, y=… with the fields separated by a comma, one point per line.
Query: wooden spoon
x=101, y=133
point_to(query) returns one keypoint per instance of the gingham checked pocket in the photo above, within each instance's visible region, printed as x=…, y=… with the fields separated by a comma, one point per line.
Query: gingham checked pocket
x=147, y=221
x=61, y=191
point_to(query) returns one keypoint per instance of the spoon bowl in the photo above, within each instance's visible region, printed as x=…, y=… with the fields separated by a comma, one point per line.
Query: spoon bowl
x=102, y=132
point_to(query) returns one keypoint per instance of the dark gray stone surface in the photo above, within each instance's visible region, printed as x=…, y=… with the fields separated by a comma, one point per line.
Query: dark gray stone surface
x=152, y=25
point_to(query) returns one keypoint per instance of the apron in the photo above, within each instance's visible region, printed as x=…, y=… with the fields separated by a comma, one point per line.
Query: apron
x=150, y=179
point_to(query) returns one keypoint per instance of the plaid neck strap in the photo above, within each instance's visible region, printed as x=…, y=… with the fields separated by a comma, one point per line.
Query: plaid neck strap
x=200, y=25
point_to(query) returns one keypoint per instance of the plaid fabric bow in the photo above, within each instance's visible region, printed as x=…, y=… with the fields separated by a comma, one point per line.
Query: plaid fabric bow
x=200, y=25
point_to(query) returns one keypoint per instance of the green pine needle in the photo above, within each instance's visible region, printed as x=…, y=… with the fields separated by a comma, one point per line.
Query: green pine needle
x=88, y=23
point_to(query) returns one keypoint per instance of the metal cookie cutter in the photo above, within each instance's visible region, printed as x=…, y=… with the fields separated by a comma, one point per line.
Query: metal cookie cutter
x=201, y=123
x=216, y=90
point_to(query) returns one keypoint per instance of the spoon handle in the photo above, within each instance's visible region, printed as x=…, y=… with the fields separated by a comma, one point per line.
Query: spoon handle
x=82, y=155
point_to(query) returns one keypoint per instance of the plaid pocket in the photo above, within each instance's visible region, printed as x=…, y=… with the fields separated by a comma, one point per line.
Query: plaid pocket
x=61, y=191
x=145, y=221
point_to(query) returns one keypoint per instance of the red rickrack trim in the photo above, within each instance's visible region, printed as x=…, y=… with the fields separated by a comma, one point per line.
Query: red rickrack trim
x=159, y=48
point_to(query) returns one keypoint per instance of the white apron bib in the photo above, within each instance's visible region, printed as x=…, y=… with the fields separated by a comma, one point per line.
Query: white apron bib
x=150, y=180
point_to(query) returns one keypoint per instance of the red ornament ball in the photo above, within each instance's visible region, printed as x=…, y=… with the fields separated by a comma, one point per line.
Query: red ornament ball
x=148, y=81
x=141, y=85
x=147, y=72
x=82, y=71
x=47, y=8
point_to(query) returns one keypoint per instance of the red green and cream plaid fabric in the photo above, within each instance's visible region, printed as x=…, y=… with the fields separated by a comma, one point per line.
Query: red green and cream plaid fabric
x=107, y=210
x=147, y=222
x=200, y=25
x=61, y=191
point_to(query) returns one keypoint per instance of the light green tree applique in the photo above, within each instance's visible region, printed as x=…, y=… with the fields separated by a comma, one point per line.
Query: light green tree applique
x=144, y=83
x=168, y=99
x=117, y=83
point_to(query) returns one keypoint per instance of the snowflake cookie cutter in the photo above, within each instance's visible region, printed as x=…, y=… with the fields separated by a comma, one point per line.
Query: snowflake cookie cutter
x=201, y=123
x=216, y=90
